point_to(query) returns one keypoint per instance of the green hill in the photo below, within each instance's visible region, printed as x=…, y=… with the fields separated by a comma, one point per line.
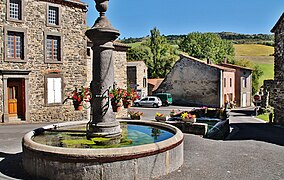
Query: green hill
x=258, y=54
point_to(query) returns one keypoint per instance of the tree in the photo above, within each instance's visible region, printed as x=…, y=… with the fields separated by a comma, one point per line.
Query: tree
x=207, y=45
x=256, y=74
x=157, y=53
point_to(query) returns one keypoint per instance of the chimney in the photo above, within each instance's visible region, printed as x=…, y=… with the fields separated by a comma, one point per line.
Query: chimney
x=225, y=60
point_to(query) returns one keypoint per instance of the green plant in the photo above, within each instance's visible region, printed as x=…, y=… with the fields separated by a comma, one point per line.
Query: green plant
x=79, y=95
x=135, y=113
x=116, y=95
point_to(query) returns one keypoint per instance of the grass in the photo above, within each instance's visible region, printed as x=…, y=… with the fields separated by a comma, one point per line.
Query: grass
x=260, y=55
x=268, y=72
x=253, y=50
x=263, y=117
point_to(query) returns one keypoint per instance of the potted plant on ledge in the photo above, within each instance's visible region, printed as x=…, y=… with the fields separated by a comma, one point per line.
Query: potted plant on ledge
x=129, y=96
x=116, y=96
x=79, y=96
x=187, y=117
x=135, y=114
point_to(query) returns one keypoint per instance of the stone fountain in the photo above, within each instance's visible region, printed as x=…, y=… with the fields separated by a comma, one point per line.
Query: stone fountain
x=102, y=35
x=145, y=161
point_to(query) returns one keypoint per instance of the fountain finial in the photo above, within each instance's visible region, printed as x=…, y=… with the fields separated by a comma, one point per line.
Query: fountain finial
x=102, y=22
x=102, y=6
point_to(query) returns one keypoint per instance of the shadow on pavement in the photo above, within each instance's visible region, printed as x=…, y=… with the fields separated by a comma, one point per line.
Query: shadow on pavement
x=11, y=166
x=242, y=112
x=257, y=131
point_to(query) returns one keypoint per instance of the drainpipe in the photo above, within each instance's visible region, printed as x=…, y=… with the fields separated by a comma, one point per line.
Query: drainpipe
x=221, y=89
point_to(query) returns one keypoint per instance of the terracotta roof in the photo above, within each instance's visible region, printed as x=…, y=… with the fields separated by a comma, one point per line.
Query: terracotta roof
x=277, y=23
x=155, y=82
x=212, y=65
x=235, y=66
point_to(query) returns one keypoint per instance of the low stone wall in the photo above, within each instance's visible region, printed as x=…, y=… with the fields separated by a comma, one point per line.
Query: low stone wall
x=195, y=128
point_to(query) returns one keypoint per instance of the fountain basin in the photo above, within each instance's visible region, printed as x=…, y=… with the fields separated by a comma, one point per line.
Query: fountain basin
x=136, y=162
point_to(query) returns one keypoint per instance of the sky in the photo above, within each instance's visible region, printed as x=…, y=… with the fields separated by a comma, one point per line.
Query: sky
x=135, y=18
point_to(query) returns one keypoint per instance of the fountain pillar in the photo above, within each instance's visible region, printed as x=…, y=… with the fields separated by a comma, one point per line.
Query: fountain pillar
x=103, y=122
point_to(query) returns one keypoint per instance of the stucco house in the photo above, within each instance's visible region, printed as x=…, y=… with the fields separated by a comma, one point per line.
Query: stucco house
x=43, y=57
x=243, y=84
x=197, y=83
x=137, y=77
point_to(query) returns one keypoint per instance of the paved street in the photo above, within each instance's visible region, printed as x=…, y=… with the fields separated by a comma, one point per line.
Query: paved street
x=254, y=150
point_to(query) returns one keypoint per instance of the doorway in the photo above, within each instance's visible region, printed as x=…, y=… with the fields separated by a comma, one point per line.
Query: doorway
x=16, y=98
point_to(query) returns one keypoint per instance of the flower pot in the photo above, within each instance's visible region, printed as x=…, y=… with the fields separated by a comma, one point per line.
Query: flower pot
x=162, y=118
x=78, y=106
x=135, y=117
x=127, y=103
x=189, y=120
x=116, y=107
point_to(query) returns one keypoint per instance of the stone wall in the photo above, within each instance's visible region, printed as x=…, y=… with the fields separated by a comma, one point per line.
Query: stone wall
x=277, y=92
x=192, y=82
x=276, y=86
x=72, y=28
x=278, y=52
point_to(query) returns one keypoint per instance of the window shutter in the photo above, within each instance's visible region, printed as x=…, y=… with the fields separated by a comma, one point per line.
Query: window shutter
x=54, y=90
x=50, y=91
x=57, y=90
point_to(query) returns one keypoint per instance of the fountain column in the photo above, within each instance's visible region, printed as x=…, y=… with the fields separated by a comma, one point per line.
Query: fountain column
x=103, y=122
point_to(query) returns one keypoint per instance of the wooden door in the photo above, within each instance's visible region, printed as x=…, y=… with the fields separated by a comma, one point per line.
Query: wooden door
x=16, y=98
x=12, y=101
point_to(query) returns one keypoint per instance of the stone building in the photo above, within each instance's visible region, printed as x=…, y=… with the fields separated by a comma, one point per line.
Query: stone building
x=120, y=68
x=275, y=88
x=43, y=57
x=153, y=85
x=197, y=83
x=137, y=77
x=243, y=85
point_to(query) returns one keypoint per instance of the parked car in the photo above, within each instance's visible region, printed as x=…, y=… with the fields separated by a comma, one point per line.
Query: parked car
x=149, y=101
x=166, y=98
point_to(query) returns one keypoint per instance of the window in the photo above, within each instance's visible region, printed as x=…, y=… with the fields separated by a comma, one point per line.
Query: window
x=53, y=15
x=144, y=82
x=15, y=44
x=88, y=52
x=224, y=82
x=244, y=82
x=54, y=89
x=53, y=48
x=151, y=99
x=15, y=10
x=230, y=82
x=15, y=47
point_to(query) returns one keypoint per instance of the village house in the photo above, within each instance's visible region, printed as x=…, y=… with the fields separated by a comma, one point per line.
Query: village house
x=197, y=83
x=137, y=77
x=43, y=57
x=153, y=85
x=243, y=85
x=275, y=88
